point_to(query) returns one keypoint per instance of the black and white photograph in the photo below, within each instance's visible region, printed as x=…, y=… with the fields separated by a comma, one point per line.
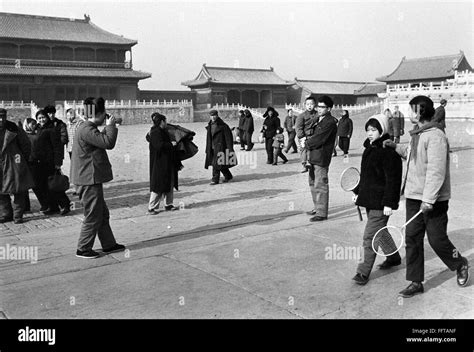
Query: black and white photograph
x=224, y=160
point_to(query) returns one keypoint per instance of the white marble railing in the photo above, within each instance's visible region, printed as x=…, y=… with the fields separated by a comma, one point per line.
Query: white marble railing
x=254, y=112
x=136, y=103
x=14, y=104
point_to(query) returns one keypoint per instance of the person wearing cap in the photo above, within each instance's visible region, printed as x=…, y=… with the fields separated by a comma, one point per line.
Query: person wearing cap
x=249, y=128
x=219, y=149
x=15, y=176
x=163, y=165
x=60, y=129
x=289, y=125
x=320, y=145
x=269, y=129
x=90, y=169
x=426, y=185
x=398, y=124
x=378, y=191
x=440, y=114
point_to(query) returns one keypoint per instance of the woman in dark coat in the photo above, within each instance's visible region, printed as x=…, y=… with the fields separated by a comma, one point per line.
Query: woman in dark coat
x=248, y=129
x=219, y=149
x=242, y=129
x=15, y=176
x=344, y=132
x=49, y=154
x=163, y=165
x=270, y=125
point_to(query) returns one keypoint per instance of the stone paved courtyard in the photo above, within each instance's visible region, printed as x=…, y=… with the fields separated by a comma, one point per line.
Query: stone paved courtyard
x=239, y=250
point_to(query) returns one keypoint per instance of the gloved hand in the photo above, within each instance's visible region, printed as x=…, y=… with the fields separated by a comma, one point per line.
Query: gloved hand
x=389, y=143
x=426, y=207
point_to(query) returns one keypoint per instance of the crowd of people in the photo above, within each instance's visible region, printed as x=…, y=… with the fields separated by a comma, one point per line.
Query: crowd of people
x=34, y=152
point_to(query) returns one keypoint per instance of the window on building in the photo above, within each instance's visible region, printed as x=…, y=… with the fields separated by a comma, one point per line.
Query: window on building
x=8, y=51
x=85, y=54
x=106, y=55
x=63, y=53
x=35, y=52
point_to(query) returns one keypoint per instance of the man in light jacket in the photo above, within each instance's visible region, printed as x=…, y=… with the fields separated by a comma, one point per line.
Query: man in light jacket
x=426, y=185
x=90, y=168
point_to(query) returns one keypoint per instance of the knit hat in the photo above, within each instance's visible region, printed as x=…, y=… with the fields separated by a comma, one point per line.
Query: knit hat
x=213, y=113
x=270, y=108
x=382, y=122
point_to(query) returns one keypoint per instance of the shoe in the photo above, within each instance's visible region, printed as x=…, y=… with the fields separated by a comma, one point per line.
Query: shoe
x=304, y=169
x=87, y=254
x=170, y=207
x=360, y=279
x=43, y=209
x=463, y=273
x=18, y=221
x=65, y=211
x=269, y=162
x=151, y=212
x=415, y=288
x=50, y=212
x=285, y=161
x=346, y=156
x=387, y=264
x=227, y=180
x=214, y=183
x=116, y=248
x=4, y=220
x=312, y=212
x=318, y=218
x=274, y=164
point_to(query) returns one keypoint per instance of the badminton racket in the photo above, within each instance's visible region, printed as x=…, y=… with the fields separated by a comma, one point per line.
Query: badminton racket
x=350, y=178
x=389, y=239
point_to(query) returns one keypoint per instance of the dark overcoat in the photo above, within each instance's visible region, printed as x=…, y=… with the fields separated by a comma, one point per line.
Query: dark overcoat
x=380, y=176
x=220, y=146
x=162, y=161
x=14, y=154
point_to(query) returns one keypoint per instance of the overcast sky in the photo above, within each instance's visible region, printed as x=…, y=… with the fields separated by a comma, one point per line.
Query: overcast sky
x=348, y=40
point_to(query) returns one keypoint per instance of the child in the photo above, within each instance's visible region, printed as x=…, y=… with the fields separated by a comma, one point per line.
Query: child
x=278, y=145
x=378, y=191
x=304, y=129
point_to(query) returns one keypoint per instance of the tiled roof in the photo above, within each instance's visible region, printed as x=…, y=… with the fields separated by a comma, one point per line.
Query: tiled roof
x=371, y=89
x=230, y=75
x=19, y=26
x=329, y=87
x=72, y=72
x=425, y=68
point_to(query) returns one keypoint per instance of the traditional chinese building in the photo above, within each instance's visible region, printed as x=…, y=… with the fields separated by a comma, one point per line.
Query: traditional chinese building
x=226, y=85
x=434, y=69
x=342, y=92
x=48, y=59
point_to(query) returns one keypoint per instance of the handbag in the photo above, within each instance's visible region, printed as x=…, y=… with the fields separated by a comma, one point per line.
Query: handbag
x=58, y=182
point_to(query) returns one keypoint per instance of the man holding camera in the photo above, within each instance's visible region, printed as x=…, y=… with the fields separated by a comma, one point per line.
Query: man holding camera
x=90, y=168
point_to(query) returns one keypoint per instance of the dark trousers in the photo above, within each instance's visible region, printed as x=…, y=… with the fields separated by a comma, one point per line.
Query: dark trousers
x=435, y=224
x=375, y=221
x=269, y=149
x=216, y=172
x=9, y=211
x=96, y=218
x=242, y=138
x=291, y=142
x=248, y=140
x=278, y=153
x=47, y=198
x=344, y=144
